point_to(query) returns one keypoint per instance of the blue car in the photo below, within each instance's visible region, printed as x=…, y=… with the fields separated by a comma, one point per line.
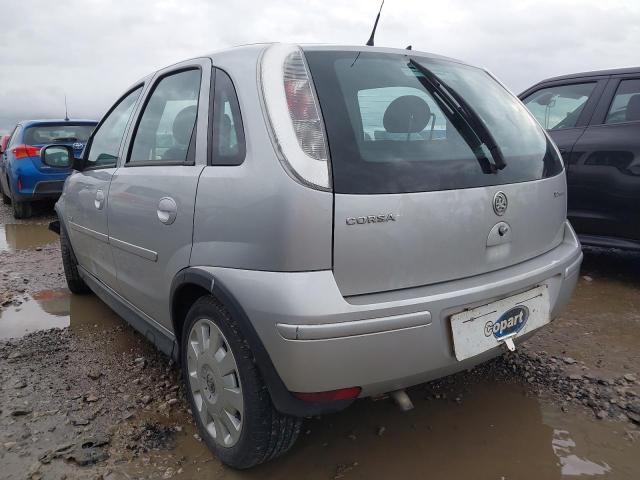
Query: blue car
x=24, y=179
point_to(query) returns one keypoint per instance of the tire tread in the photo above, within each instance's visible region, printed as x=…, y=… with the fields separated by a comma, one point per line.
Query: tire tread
x=267, y=433
x=74, y=281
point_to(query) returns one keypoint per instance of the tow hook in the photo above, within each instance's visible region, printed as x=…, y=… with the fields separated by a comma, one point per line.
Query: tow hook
x=510, y=345
x=402, y=400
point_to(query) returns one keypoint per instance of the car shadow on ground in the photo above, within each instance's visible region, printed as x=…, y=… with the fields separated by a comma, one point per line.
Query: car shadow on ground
x=611, y=263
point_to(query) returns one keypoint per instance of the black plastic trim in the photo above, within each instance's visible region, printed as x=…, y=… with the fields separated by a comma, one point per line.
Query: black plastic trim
x=160, y=339
x=55, y=226
x=282, y=399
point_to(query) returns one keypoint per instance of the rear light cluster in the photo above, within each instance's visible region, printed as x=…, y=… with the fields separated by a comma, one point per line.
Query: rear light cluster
x=294, y=115
x=302, y=107
x=25, y=151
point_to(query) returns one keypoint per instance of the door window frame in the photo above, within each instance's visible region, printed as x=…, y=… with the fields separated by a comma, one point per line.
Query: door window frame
x=590, y=105
x=190, y=159
x=89, y=144
x=602, y=110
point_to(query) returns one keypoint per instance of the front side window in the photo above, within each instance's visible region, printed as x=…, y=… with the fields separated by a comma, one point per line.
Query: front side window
x=387, y=132
x=561, y=106
x=228, y=133
x=168, y=122
x=105, y=144
x=626, y=103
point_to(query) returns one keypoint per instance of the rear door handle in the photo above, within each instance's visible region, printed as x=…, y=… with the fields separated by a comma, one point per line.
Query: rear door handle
x=167, y=210
x=99, y=201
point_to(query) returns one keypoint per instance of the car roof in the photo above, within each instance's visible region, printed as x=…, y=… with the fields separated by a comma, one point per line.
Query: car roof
x=328, y=47
x=595, y=73
x=251, y=51
x=364, y=48
x=56, y=121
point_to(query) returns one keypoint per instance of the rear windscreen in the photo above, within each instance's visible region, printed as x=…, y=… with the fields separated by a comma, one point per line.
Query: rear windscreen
x=387, y=134
x=43, y=134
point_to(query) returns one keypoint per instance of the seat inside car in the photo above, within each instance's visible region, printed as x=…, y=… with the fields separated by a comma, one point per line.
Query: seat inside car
x=183, y=126
x=633, y=108
x=407, y=114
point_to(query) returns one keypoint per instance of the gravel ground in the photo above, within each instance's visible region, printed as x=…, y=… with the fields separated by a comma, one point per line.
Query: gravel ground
x=97, y=401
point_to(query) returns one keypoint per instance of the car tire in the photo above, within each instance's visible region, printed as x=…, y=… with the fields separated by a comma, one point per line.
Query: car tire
x=21, y=209
x=242, y=433
x=5, y=198
x=75, y=283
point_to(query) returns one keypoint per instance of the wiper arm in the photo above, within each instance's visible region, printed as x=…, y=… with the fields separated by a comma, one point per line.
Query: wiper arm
x=464, y=117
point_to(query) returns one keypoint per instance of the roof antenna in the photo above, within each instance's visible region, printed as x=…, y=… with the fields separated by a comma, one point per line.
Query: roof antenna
x=375, y=25
x=66, y=111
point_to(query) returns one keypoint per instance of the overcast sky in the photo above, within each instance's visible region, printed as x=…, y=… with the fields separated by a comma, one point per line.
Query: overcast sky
x=94, y=49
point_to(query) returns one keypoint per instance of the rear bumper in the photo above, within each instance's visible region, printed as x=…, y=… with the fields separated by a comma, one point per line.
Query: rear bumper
x=319, y=340
x=36, y=184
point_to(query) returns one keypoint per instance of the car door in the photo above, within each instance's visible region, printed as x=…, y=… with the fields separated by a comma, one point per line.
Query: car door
x=604, y=186
x=564, y=108
x=152, y=196
x=86, y=193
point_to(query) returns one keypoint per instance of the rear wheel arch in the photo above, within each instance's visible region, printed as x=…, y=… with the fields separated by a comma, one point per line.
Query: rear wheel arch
x=182, y=298
x=194, y=282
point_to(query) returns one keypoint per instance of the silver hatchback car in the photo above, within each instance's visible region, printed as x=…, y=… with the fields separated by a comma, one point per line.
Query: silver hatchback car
x=301, y=226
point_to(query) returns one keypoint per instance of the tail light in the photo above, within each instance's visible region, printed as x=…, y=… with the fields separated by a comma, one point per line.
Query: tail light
x=24, y=151
x=294, y=115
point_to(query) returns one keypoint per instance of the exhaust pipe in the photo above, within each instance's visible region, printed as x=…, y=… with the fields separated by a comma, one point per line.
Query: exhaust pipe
x=402, y=400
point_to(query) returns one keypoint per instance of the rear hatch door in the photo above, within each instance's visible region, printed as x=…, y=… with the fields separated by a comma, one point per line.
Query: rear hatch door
x=415, y=203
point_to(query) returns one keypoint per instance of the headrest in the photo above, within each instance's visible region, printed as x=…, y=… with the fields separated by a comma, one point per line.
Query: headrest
x=406, y=114
x=183, y=124
x=633, y=108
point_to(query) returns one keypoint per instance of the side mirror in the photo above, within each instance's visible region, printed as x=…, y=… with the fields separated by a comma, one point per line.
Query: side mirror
x=57, y=156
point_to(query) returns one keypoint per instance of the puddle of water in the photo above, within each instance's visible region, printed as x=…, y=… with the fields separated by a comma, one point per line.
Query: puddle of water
x=19, y=236
x=57, y=309
x=33, y=315
x=496, y=433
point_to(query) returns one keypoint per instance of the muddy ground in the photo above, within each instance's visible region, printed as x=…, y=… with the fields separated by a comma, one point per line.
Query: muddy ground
x=92, y=399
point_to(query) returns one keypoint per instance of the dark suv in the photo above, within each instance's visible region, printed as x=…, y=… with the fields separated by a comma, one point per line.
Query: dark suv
x=594, y=118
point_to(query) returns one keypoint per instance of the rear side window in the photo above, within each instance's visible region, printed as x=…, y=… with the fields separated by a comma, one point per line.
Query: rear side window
x=387, y=133
x=626, y=103
x=228, y=133
x=105, y=144
x=168, y=121
x=561, y=106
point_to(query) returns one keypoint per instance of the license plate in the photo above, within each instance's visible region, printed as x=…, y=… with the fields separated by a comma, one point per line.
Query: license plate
x=480, y=329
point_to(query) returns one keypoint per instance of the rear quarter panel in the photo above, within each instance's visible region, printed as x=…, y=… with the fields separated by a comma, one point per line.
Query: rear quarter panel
x=255, y=216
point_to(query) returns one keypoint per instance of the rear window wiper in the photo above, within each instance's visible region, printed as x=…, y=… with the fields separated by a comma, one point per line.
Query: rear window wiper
x=472, y=128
